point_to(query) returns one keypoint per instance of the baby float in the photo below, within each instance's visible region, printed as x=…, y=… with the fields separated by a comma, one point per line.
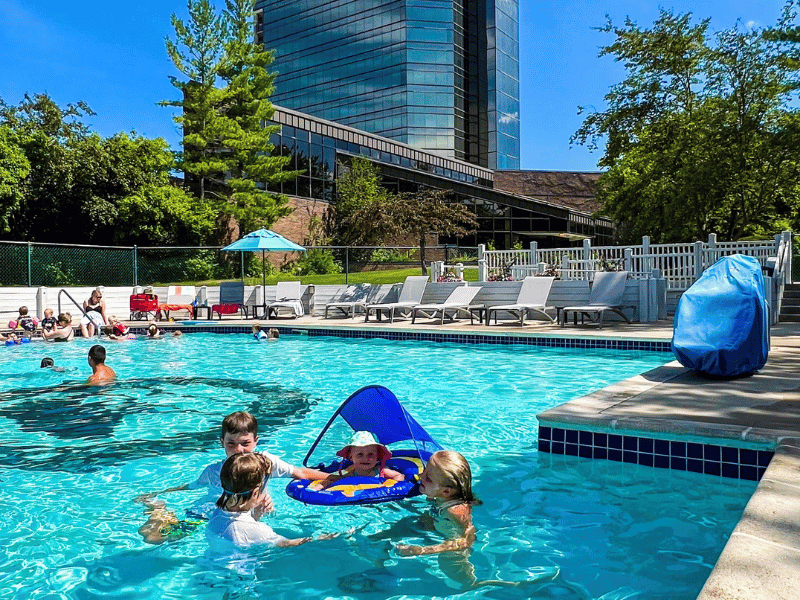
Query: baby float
x=377, y=410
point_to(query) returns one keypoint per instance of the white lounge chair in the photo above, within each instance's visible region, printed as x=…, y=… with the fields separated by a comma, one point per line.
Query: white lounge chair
x=410, y=296
x=457, y=302
x=354, y=298
x=532, y=297
x=287, y=296
x=179, y=297
x=606, y=294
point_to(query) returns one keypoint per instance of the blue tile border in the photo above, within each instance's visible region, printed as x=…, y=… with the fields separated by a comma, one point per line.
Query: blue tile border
x=707, y=458
x=428, y=336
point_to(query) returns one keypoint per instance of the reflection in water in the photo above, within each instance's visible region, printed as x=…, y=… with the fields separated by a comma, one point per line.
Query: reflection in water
x=91, y=413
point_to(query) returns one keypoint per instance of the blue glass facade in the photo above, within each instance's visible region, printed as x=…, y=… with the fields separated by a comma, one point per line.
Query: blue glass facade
x=439, y=75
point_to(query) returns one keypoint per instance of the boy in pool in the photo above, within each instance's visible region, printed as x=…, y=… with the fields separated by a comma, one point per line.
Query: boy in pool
x=258, y=334
x=235, y=523
x=368, y=457
x=239, y=434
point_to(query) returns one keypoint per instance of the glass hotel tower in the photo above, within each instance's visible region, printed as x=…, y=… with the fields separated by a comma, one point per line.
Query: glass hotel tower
x=438, y=75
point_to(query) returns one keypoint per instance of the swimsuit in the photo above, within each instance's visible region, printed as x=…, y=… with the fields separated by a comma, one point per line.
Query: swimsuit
x=94, y=315
x=441, y=520
x=48, y=323
x=27, y=323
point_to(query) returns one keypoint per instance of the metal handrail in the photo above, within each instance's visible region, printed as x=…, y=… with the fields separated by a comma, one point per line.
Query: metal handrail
x=63, y=291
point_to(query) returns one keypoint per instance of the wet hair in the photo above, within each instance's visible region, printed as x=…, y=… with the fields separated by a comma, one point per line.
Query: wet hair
x=241, y=475
x=456, y=474
x=152, y=330
x=65, y=318
x=273, y=333
x=23, y=310
x=97, y=353
x=256, y=328
x=239, y=422
x=46, y=362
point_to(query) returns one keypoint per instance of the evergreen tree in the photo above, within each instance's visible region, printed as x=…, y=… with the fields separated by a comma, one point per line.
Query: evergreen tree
x=246, y=109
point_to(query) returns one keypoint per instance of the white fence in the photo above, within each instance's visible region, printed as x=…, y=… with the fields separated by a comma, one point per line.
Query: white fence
x=679, y=264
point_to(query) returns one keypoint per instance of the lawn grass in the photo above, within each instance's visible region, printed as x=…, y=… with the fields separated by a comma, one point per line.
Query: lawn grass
x=374, y=277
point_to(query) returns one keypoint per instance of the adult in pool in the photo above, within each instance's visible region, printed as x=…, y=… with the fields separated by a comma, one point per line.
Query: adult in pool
x=101, y=374
x=63, y=331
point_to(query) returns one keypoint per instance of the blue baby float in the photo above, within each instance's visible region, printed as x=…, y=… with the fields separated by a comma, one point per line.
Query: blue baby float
x=377, y=410
x=721, y=325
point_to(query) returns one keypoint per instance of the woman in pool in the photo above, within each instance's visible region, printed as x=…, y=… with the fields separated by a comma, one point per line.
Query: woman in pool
x=95, y=314
x=368, y=458
x=62, y=332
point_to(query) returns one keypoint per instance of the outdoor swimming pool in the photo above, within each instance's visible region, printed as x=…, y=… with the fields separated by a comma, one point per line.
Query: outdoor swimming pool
x=74, y=458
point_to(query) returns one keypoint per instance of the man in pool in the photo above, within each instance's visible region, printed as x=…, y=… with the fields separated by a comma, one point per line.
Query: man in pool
x=101, y=374
x=239, y=434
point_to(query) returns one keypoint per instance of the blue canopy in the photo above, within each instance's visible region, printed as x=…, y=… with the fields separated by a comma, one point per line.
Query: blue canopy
x=264, y=240
x=721, y=325
x=376, y=409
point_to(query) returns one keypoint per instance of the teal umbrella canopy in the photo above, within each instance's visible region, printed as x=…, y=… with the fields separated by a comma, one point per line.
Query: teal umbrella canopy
x=263, y=241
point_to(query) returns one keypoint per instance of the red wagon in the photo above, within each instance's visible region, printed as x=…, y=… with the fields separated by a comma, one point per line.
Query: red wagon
x=142, y=305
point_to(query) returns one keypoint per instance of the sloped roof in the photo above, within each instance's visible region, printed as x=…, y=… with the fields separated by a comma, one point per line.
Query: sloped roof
x=566, y=188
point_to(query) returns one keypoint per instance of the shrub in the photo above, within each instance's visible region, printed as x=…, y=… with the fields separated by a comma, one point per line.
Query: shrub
x=314, y=262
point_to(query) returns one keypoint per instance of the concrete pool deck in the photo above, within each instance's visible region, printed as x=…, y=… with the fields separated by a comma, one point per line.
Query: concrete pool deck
x=762, y=557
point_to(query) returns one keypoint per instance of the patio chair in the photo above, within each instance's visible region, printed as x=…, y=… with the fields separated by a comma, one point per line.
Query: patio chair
x=354, y=298
x=457, y=302
x=179, y=297
x=287, y=296
x=410, y=296
x=532, y=298
x=606, y=294
x=231, y=299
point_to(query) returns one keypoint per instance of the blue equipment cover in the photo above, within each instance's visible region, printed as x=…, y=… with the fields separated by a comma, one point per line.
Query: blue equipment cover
x=721, y=326
x=375, y=409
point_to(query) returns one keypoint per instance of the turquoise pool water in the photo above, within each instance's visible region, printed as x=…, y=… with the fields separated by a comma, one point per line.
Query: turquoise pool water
x=74, y=458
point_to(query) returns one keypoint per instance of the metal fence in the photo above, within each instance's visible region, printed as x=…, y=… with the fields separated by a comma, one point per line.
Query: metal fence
x=53, y=265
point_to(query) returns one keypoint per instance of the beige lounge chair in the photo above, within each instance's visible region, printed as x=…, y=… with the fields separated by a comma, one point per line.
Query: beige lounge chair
x=410, y=296
x=287, y=297
x=353, y=299
x=457, y=302
x=608, y=289
x=532, y=297
x=179, y=297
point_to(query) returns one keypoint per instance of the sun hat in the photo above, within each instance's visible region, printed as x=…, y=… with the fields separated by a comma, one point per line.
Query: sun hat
x=364, y=438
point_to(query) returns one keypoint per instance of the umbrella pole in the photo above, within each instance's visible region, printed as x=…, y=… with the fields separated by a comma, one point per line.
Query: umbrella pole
x=263, y=284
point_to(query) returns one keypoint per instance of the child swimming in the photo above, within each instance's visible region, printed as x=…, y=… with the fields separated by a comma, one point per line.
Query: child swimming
x=236, y=522
x=368, y=458
x=447, y=481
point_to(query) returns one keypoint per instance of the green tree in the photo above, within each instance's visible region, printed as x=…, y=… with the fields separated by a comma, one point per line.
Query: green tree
x=246, y=108
x=700, y=136
x=197, y=53
x=225, y=104
x=361, y=215
x=14, y=169
x=431, y=211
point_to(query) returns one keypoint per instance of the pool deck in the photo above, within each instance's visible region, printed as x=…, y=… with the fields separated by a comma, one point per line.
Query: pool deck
x=762, y=557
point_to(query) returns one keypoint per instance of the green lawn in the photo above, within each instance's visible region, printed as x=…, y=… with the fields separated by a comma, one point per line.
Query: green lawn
x=373, y=277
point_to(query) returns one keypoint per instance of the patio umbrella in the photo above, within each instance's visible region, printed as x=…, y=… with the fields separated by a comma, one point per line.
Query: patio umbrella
x=265, y=241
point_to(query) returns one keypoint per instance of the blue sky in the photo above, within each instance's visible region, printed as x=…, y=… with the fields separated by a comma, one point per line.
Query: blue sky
x=111, y=55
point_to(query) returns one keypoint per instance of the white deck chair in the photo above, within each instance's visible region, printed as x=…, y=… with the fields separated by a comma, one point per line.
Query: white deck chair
x=179, y=297
x=287, y=296
x=532, y=297
x=606, y=294
x=457, y=302
x=354, y=298
x=410, y=296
